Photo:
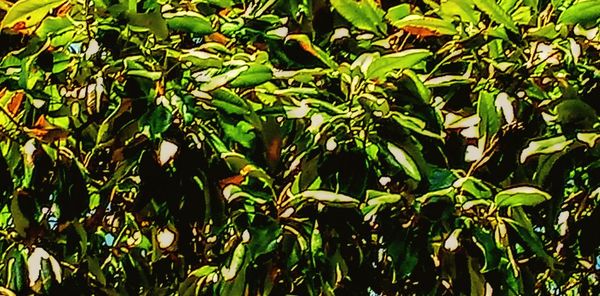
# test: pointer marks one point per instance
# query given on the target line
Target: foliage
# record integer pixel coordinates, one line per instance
(229, 147)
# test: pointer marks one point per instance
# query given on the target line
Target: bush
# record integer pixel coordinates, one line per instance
(229, 147)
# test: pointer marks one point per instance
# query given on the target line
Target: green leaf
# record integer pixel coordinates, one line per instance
(425, 26)
(496, 13)
(405, 160)
(589, 139)
(463, 9)
(582, 12)
(30, 12)
(398, 12)
(364, 14)
(490, 119)
(377, 198)
(241, 133)
(521, 196)
(474, 186)
(201, 59)
(152, 21)
(545, 146)
(53, 25)
(237, 261)
(160, 120)
(484, 239)
(253, 76)
(190, 22)
(203, 271)
(220, 3)
(222, 79)
(380, 67)
(329, 198)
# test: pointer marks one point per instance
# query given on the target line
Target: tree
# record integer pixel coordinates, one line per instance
(342, 147)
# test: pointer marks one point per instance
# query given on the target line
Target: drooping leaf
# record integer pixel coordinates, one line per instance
(423, 26)
(521, 196)
(255, 75)
(489, 124)
(496, 13)
(363, 14)
(405, 160)
(545, 146)
(188, 21)
(398, 12)
(28, 13)
(485, 241)
(329, 198)
(383, 65)
(583, 12)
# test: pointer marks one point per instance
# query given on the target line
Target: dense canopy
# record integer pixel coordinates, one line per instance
(305, 147)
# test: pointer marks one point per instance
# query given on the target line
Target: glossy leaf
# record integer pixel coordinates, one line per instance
(521, 196)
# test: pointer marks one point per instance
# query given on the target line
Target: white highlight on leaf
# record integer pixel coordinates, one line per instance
(331, 144)
(34, 265)
(281, 32)
(575, 50)
(316, 120)
(166, 151)
(384, 180)
(471, 132)
(92, 48)
(287, 213)
(246, 236)
(473, 153)
(504, 104)
(300, 111)
(165, 238)
(452, 243)
(339, 33)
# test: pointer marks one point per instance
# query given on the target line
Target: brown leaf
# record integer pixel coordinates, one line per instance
(14, 103)
(46, 132)
(235, 180)
(420, 31)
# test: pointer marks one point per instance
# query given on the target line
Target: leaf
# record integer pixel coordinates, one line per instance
(222, 79)
(405, 160)
(240, 132)
(398, 12)
(253, 76)
(190, 22)
(203, 271)
(160, 120)
(152, 21)
(329, 198)
(201, 59)
(28, 13)
(582, 12)
(364, 14)
(237, 260)
(461, 8)
(589, 139)
(423, 26)
(53, 25)
(484, 239)
(377, 198)
(496, 13)
(96, 271)
(545, 146)
(490, 119)
(380, 67)
(308, 46)
(521, 196)
(474, 186)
